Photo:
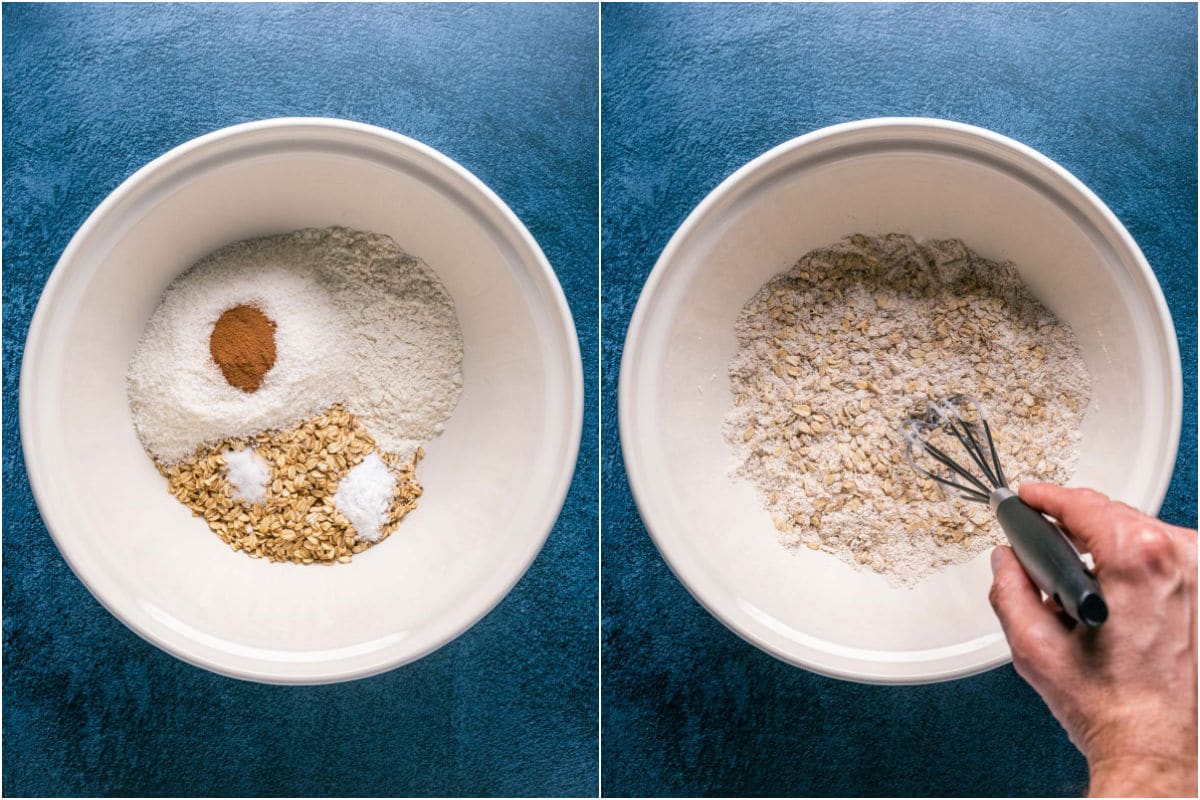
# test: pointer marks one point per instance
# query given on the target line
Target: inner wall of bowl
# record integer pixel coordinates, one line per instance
(812, 600)
(471, 526)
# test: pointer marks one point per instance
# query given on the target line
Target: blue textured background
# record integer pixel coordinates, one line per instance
(690, 93)
(91, 93)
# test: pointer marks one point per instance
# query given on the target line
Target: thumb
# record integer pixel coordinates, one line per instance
(1033, 630)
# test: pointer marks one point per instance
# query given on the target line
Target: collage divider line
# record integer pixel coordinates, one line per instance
(599, 401)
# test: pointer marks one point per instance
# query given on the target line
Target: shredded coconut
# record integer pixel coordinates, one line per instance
(860, 335)
(248, 473)
(363, 496)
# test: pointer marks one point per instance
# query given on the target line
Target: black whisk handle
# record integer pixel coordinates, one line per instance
(1050, 560)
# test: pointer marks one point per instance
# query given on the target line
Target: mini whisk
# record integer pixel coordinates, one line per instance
(1043, 549)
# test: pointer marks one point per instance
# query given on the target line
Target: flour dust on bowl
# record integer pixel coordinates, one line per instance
(428, 462)
(937, 199)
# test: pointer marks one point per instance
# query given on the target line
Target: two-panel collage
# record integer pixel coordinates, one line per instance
(599, 399)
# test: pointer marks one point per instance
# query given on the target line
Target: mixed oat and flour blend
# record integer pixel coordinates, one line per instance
(834, 353)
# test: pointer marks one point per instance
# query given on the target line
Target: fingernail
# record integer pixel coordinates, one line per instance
(996, 558)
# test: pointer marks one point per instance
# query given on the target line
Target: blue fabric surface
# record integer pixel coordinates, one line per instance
(91, 93)
(689, 94)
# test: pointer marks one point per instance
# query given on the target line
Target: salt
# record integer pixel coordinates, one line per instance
(363, 496)
(249, 474)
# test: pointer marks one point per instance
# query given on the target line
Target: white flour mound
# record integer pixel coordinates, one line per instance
(358, 321)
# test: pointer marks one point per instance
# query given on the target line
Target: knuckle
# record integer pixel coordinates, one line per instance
(1150, 540)
(1092, 496)
(1023, 664)
(1037, 640)
(1188, 564)
(994, 594)
(1151, 547)
(1126, 509)
(1025, 644)
(1020, 656)
(1001, 586)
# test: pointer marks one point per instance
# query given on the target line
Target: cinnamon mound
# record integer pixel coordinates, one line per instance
(243, 346)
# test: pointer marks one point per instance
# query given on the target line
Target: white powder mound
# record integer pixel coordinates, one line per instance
(248, 473)
(363, 496)
(358, 322)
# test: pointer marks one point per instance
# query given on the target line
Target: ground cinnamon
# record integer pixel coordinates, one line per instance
(243, 346)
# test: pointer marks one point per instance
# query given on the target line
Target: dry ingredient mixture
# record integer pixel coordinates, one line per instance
(835, 353)
(286, 386)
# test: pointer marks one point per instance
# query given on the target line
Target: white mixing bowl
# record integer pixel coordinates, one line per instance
(928, 178)
(494, 481)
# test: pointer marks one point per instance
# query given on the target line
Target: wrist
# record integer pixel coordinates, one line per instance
(1142, 775)
(1148, 731)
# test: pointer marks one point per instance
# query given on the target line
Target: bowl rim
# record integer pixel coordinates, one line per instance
(657, 521)
(472, 189)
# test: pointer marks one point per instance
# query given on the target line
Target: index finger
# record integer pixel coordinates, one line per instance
(1087, 514)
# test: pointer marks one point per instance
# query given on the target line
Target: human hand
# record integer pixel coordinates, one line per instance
(1125, 692)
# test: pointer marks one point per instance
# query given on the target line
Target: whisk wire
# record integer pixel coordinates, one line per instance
(974, 437)
(954, 466)
(962, 431)
(948, 416)
(977, 495)
(987, 429)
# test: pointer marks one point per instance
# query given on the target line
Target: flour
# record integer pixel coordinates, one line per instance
(835, 353)
(358, 322)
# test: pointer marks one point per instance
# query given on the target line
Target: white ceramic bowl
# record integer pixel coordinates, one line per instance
(494, 481)
(929, 178)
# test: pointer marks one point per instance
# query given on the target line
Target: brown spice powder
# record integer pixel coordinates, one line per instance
(243, 346)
